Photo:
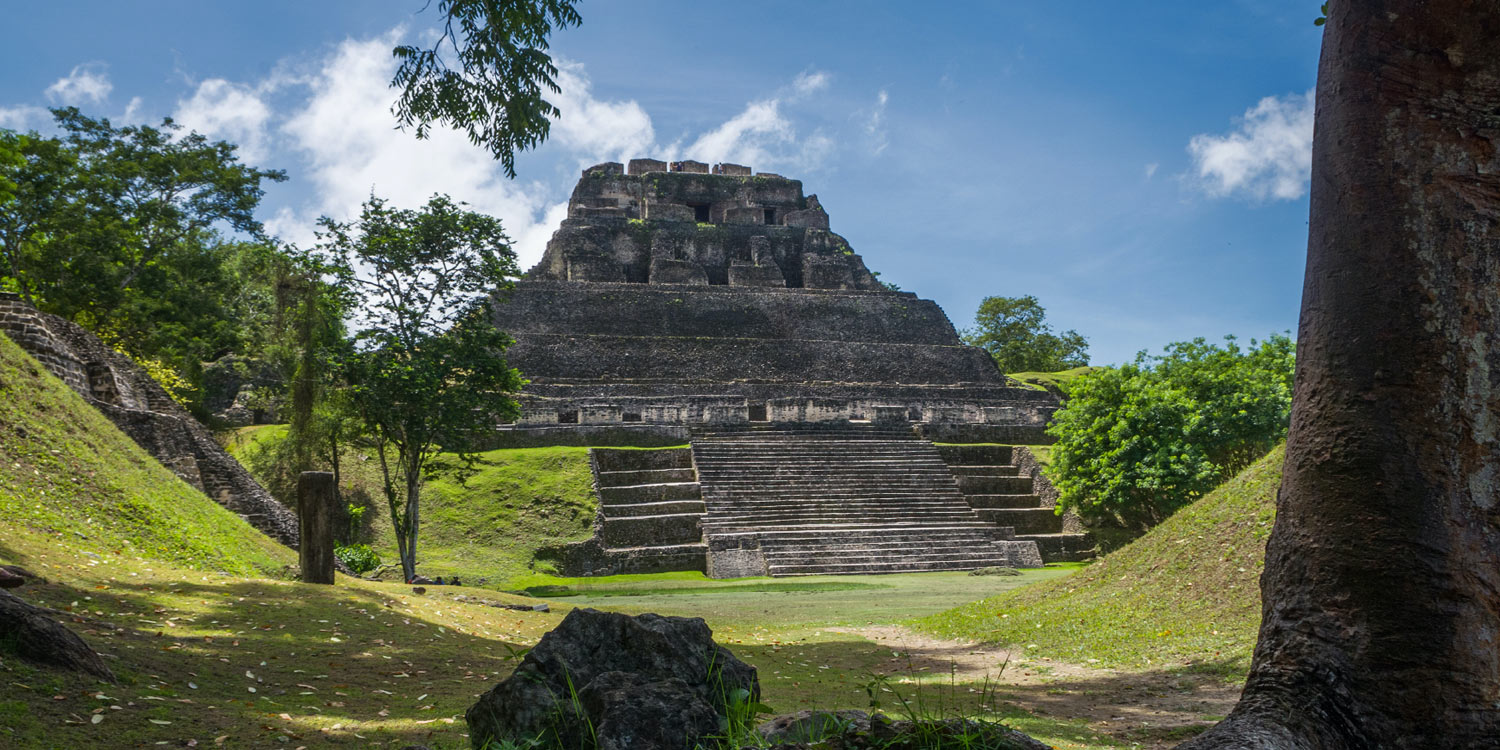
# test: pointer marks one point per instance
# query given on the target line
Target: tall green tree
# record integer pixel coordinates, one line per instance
(123, 230)
(427, 373)
(1015, 332)
(485, 74)
(1136, 443)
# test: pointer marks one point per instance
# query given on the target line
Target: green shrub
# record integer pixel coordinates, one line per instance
(1136, 443)
(358, 557)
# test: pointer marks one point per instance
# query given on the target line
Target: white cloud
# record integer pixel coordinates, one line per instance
(1151, 170)
(133, 111)
(227, 111)
(875, 124)
(810, 82)
(24, 117)
(86, 84)
(351, 148)
(746, 138)
(1268, 157)
(598, 130)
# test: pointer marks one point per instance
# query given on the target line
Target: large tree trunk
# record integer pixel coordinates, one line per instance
(1381, 591)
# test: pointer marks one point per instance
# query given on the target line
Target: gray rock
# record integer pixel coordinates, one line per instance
(628, 678)
(857, 730)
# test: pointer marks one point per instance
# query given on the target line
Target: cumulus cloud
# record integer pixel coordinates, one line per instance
(86, 84)
(598, 130)
(763, 136)
(1269, 156)
(345, 134)
(227, 111)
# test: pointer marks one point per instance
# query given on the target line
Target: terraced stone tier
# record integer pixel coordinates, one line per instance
(999, 493)
(809, 500)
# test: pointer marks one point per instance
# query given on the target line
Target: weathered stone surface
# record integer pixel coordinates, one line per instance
(695, 167)
(140, 408)
(642, 166)
(621, 669)
(666, 271)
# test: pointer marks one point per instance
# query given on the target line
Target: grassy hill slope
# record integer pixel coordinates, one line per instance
(67, 472)
(1188, 592)
(483, 521)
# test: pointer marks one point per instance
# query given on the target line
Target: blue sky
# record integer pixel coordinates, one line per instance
(1141, 170)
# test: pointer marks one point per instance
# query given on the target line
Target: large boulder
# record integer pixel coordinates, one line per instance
(616, 681)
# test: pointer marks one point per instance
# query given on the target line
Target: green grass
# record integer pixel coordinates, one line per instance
(1055, 382)
(482, 522)
(66, 473)
(1185, 594)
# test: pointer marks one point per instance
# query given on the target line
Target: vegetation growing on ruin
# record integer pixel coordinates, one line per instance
(1185, 593)
(66, 474)
(1058, 383)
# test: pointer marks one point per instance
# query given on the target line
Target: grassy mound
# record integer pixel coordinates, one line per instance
(484, 520)
(67, 472)
(1186, 593)
(1057, 383)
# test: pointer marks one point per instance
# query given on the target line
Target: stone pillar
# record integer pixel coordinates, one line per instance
(315, 513)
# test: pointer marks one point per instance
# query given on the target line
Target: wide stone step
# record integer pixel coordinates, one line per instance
(649, 493)
(959, 455)
(649, 531)
(876, 532)
(985, 471)
(1025, 520)
(668, 508)
(813, 557)
(994, 485)
(645, 476)
(625, 459)
(1004, 501)
(900, 566)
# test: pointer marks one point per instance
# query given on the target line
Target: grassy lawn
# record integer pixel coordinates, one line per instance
(1185, 593)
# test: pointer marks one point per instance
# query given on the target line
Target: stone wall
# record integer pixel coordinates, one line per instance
(140, 408)
(730, 359)
(560, 307)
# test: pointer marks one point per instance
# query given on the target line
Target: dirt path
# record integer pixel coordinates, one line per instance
(1156, 709)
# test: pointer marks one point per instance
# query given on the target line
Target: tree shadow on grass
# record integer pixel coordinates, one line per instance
(256, 659)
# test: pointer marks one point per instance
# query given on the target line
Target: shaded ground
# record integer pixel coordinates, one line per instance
(1156, 708)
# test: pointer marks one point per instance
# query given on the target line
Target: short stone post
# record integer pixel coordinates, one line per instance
(315, 513)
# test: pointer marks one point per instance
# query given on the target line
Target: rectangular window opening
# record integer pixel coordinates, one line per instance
(567, 417)
(770, 216)
(700, 212)
(630, 416)
(758, 413)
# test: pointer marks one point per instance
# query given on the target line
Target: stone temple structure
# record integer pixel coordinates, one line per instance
(682, 304)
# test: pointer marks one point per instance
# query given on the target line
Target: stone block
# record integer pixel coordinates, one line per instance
(642, 166)
(826, 272)
(599, 414)
(667, 271)
(651, 531)
(732, 170)
(744, 215)
(598, 212)
(745, 274)
(594, 268)
(735, 556)
(689, 166)
(888, 414)
(606, 168)
(810, 218)
(669, 212)
(1001, 415)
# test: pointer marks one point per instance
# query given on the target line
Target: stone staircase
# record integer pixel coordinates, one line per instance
(650, 514)
(1000, 492)
(854, 498)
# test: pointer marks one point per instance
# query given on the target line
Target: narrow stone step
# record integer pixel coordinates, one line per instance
(985, 471)
(667, 508)
(648, 531)
(624, 459)
(1025, 520)
(649, 493)
(1004, 501)
(994, 485)
(961, 455)
(645, 476)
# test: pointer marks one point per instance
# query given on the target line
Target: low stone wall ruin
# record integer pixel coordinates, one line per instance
(140, 408)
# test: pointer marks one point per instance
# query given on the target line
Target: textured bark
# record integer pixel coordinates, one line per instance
(1381, 593)
(31, 633)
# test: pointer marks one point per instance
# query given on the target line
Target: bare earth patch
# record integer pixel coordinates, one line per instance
(1151, 709)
